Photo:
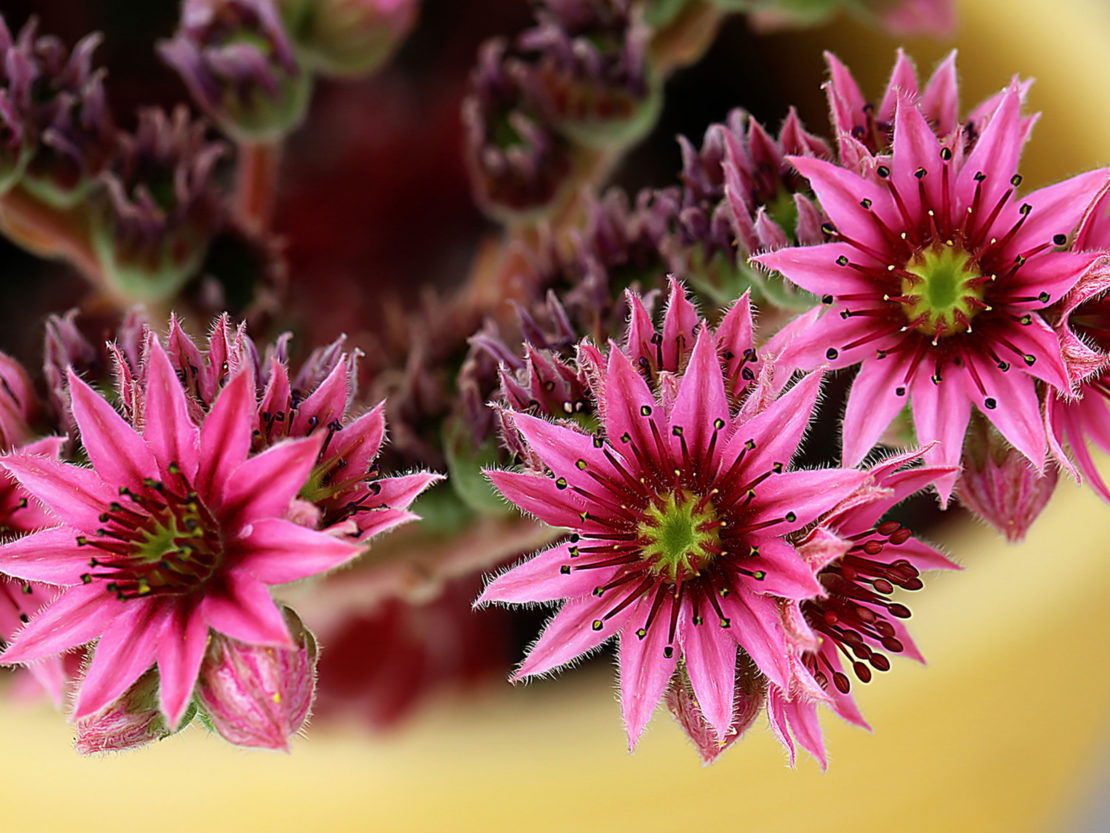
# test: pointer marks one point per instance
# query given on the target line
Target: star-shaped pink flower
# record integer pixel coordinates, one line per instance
(172, 532)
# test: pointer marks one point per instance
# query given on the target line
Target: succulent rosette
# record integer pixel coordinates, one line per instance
(935, 282)
(174, 531)
(678, 511)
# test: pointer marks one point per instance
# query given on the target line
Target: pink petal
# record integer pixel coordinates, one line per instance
(118, 454)
(541, 578)
(879, 393)
(51, 555)
(380, 521)
(787, 576)
(924, 557)
(539, 496)
(265, 485)
(802, 718)
(845, 99)
(78, 616)
(915, 147)
(841, 193)
(940, 100)
(995, 155)
(710, 656)
(275, 410)
(773, 436)
(359, 442)
(901, 86)
(75, 495)
(1057, 209)
(679, 323)
(1037, 341)
(816, 268)
(776, 718)
(941, 412)
(246, 611)
(754, 622)
(645, 667)
(168, 430)
(277, 551)
(400, 491)
(570, 454)
(324, 405)
(180, 652)
(125, 650)
(570, 633)
(225, 436)
(626, 406)
(1052, 272)
(640, 329)
(797, 498)
(701, 407)
(1017, 411)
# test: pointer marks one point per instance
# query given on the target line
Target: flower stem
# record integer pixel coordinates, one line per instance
(49, 232)
(256, 182)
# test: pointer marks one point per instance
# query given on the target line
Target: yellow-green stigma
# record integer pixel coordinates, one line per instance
(679, 535)
(942, 291)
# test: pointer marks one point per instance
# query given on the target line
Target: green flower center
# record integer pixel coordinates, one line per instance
(943, 290)
(154, 542)
(680, 534)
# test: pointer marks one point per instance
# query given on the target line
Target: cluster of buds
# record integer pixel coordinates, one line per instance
(250, 63)
(56, 130)
(581, 78)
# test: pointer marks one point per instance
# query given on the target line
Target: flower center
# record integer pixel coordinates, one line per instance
(943, 290)
(156, 540)
(679, 534)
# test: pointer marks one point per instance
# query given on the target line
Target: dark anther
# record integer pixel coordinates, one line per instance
(597, 624)
(826, 299)
(1059, 239)
(1025, 209)
(718, 424)
(899, 391)
(598, 442)
(565, 570)
(828, 228)
(865, 203)
(842, 260)
(831, 353)
(990, 403)
(920, 173)
(645, 410)
(1015, 180)
(979, 176)
(946, 154)
(883, 171)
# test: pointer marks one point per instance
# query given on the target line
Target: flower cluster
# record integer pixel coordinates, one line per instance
(164, 550)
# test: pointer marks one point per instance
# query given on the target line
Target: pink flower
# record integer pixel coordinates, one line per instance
(678, 511)
(860, 560)
(935, 283)
(1080, 415)
(170, 534)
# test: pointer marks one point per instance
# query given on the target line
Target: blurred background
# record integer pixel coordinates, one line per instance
(1006, 730)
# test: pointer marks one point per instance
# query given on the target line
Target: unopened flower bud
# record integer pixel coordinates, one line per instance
(999, 484)
(518, 163)
(152, 226)
(348, 37)
(751, 692)
(56, 132)
(596, 77)
(239, 65)
(132, 719)
(258, 695)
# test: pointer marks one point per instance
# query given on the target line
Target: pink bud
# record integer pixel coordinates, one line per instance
(256, 695)
(132, 719)
(1000, 485)
(751, 691)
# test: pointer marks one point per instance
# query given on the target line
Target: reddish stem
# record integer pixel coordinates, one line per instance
(256, 182)
(49, 232)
